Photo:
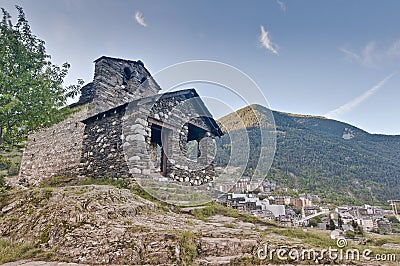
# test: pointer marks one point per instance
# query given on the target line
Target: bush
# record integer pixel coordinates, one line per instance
(350, 234)
(13, 170)
(2, 182)
(393, 219)
(4, 163)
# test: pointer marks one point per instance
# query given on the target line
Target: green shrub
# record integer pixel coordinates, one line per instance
(4, 163)
(393, 219)
(2, 182)
(350, 234)
(14, 169)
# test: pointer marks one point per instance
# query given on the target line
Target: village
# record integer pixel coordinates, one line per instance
(308, 210)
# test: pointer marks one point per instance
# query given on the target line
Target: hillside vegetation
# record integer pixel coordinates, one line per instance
(338, 161)
(112, 221)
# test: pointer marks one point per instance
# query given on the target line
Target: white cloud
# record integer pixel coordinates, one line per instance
(394, 50)
(281, 5)
(139, 19)
(266, 42)
(349, 106)
(371, 55)
(351, 55)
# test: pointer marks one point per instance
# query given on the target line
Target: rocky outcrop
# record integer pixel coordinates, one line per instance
(106, 225)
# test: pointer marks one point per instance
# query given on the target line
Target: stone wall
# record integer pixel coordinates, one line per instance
(54, 151)
(119, 81)
(118, 142)
(180, 110)
(57, 150)
(108, 137)
(194, 172)
(102, 153)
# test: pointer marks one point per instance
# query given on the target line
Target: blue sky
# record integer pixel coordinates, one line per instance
(334, 58)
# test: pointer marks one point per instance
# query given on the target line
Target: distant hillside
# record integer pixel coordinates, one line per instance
(333, 159)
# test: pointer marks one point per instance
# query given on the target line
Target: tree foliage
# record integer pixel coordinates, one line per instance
(313, 157)
(31, 91)
(331, 225)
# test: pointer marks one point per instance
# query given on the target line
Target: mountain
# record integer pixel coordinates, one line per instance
(338, 161)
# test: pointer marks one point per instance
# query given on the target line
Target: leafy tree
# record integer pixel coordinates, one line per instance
(357, 228)
(31, 91)
(313, 222)
(331, 225)
(340, 222)
(393, 219)
(354, 224)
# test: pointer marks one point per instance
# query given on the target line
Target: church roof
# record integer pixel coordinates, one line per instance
(187, 93)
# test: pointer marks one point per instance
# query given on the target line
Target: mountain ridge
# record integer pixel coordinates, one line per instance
(315, 154)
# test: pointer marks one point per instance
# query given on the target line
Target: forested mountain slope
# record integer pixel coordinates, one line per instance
(333, 159)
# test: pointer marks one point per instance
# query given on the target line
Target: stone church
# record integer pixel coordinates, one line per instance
(122, 127)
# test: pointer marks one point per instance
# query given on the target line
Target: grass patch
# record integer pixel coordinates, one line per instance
(380, 240)
(2, 182)
(118, 183)
(13, 251)
(134, 187)
(58, 181)
(10, 162)
(214, 208)
(230, 225)
(188, 248)
(312, 238)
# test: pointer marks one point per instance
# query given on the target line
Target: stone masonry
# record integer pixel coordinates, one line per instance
(122, 127)
(122, 141)
(54, 151)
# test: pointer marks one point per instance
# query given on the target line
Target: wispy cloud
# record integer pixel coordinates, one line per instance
(371, 55)
(281, 5)
(349, 106)
(139, 19)
(394, 49)
(351, 55)
(266, 42)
